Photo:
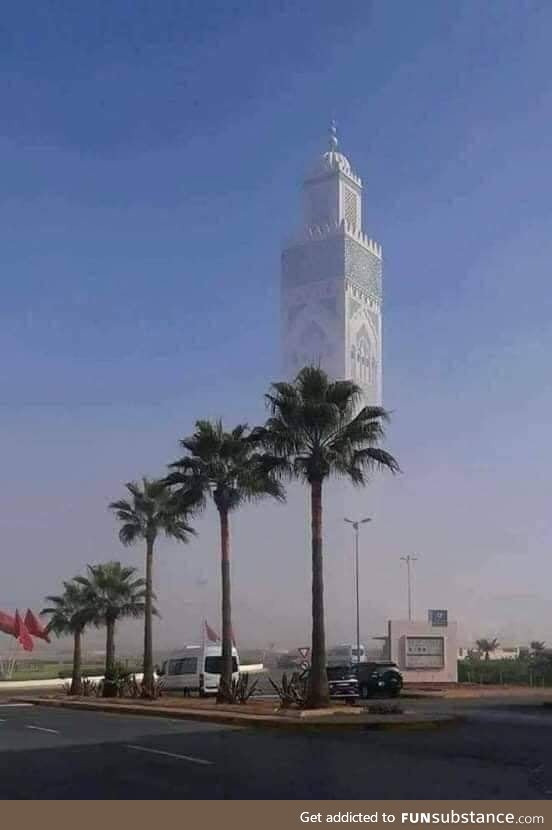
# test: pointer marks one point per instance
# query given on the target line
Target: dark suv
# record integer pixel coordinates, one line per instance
(343, 683)
(383, 678)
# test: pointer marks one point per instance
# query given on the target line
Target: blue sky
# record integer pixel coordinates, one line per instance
(152, 155)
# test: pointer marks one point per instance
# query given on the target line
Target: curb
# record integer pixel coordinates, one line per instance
(250, 720)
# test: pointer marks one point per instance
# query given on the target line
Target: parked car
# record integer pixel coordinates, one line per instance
(343, 683)
(375, 678)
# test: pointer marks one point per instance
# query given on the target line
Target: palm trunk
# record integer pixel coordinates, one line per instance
(76, 678)
(318, 691)
(224, 693)
(110, 688)
(147, 681)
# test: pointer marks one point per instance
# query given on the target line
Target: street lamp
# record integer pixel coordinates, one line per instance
(408, 559)
(356, 527)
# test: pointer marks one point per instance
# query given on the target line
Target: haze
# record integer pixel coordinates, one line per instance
(151, 168)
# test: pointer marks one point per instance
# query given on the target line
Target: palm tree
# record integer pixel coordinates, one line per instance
(70, 613)
(538, 647)
(228, 467)
(114, 592)
(315, 424)
(487, 647)
(151, 511)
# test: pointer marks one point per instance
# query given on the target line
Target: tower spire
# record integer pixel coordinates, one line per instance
(333, 136)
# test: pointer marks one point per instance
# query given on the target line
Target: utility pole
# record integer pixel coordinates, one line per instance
(356, 526)
(408, 559)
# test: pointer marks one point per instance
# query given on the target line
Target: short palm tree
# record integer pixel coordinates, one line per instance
(316, 426)
(152, 510)
(487, 647)
(69, 614)
(115, 593)
(227, 467)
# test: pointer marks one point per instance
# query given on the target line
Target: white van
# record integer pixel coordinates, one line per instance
(196, 669)
(346, 654)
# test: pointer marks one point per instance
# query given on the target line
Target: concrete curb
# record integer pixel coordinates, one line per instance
(376, 722)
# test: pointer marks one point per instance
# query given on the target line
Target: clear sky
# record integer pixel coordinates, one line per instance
(152, 154)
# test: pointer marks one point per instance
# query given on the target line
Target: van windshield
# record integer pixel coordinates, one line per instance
(213, 665)
(340, 651)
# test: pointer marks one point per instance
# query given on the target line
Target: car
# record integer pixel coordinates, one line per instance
(343, 683)
(382, 678)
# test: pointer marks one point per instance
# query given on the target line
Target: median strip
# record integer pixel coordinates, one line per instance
(190, 758)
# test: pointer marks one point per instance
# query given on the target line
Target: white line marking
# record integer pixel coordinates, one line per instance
(171, 755)
(43, 729)
(14, 705)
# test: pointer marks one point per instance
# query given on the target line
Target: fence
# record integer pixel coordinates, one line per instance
(505, 672)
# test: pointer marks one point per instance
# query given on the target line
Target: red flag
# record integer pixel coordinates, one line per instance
(7, 623)
(212, 636)
(35, 627)
(22, 633)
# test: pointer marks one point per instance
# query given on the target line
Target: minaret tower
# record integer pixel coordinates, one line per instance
(331, 295)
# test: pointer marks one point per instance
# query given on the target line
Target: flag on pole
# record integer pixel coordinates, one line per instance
(35, 627)
(22, 633)
(7, 623)
(212, 636)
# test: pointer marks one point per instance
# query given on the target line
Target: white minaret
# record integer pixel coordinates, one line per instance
(331, 282)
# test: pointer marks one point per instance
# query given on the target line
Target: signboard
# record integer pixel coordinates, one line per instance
(425, 652)
(438, 617)
(304, 652)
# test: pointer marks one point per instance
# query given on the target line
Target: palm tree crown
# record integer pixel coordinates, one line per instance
(486, 646)
(70, 611)
(315, 423)
(113, 591)
(151, 510)
(226, 465)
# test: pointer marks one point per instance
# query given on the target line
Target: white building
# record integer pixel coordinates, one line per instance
(331, 296)
(425, 652)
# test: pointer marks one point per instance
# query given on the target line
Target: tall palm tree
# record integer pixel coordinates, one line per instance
(70, 613)
(152, 510)
(487, 647)
(114, 592)
(315, 423)
(228, 467)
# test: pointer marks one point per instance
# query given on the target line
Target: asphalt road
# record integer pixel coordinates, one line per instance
(53, 753)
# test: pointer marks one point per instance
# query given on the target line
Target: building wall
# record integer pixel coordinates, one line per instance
(430, 667)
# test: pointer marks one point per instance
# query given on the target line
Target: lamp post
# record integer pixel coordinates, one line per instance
(356, 527)
(408, 559)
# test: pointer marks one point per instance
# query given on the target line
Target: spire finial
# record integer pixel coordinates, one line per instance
(333, 136)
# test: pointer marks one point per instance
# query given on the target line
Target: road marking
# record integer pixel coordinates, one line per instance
(171, 755)
(14, 705)
(43, 729)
